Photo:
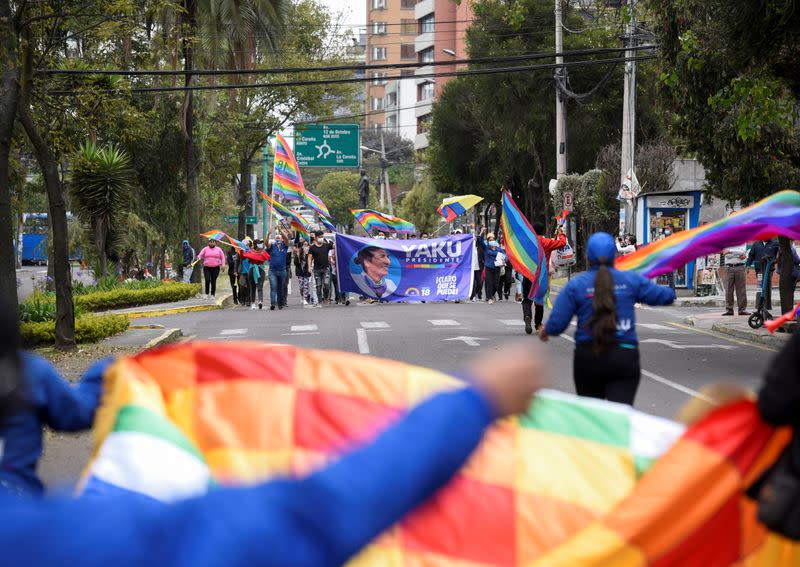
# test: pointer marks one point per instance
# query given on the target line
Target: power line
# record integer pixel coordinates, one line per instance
(470, 72)
(349, 67)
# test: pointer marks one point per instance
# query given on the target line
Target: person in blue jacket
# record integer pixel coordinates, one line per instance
(606, 362)
(278, 251)
(323, 519)
(491, 248)
(43, 398)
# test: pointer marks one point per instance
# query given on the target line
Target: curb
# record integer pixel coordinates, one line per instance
(168, 336)
(752, 337)
(222, 303)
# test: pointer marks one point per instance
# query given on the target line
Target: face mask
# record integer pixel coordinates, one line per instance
(493, 243)
(260, 246)
(319, 240)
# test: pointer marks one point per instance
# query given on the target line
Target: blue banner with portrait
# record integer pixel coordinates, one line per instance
(434, 269)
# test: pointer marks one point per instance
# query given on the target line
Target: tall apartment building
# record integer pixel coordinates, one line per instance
(391, 31)
(441, 29)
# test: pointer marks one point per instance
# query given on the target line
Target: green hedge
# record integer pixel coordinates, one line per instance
(89, 329)
(119, 298)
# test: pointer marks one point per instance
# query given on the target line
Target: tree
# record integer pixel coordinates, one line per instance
(654, 164)
(339, 190)
(102, 180)
(494, 130)
(729, 75)
(419, 207)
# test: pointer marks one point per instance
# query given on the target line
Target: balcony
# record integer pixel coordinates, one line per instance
(424, 8)
(426, 70)
(421, 141)
(423, 108)
(423, 41)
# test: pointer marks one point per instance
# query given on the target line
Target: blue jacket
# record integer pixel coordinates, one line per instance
(51, 401)
(576, 299)
(277, 257)
(490, 254)
(320, 520)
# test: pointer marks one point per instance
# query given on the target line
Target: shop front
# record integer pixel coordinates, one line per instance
(665, 214)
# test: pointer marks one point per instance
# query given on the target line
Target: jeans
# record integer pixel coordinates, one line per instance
(277, 287)
(323, 287)
(187, 273)
(305, 289)
(210, 276)
(256, 287)
(613, 375)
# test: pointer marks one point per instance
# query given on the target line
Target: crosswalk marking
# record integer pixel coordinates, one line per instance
(374, 324)
(303, 328)
(512, 322)
(654, 327)
(228, 332)
(444, 323)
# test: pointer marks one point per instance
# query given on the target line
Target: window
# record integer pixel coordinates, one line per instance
(391, 99)
(378, 78)
(426, 55)
(378, 28)
(406, 72)
(407, 51)
(407, 4)
(376, 104)
(408, 27)
(391, 122)
(379, 54)
(378, 4)
(425, 91)
(426, 24)
(423, 123)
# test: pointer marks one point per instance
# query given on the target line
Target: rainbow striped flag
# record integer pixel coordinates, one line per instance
(300, 229)
(571, 482)
(286, 179)
(375, 220)
(453, 207)
(238, 244)
(524, 250)
(285, 212)
(777, 215)
(213, 235)
(327, 224)
(315, 203)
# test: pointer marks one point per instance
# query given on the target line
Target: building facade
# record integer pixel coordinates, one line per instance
(391, 31)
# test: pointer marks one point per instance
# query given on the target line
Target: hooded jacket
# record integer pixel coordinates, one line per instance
(188, 253)
(629, 288)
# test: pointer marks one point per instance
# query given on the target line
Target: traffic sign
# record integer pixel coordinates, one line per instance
(568, 200)
(327, 145)
(248, 220)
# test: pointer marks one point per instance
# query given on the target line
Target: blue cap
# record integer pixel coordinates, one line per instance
(601, 249)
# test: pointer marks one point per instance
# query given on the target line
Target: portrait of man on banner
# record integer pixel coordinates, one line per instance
(372, 272)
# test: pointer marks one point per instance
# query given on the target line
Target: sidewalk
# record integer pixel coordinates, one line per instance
(736, 326)
(197, 303)
(719, 300)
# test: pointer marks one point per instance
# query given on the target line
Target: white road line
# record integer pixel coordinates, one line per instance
(677, 346)
(676, 386)
(300, 328)
(226, 332)
(512, 322)
(567, 337)
(300, 333)
(443, 323)
(655, 327)
(363, 345)
(374, 325)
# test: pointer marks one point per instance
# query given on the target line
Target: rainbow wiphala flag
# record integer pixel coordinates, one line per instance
(573, 482)
(286, 179)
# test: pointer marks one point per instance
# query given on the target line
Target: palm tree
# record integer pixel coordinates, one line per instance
(102, 181)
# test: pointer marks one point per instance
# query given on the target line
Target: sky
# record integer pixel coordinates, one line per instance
(354, 11)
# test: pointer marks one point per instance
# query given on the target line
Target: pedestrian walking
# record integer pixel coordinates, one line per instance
(549, 245)
(188, 261)
(278, 252)
(234, 264)
(319, 263)
(759, 258)
(493, 259)
(303, 272)
(255, 273)
(341, 298)
(288, 281)
(477, 271)
(735, 274)
(606, 360)
(213, 259)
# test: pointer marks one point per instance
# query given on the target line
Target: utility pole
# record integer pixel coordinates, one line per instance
(629, 118)
(561, 110)
(385, 177)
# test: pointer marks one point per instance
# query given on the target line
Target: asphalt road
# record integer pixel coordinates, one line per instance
(677, 360)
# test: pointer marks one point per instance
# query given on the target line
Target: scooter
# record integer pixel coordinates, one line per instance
(757, 318)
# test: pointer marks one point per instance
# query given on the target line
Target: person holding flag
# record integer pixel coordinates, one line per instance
(549, 245)
(606, 362)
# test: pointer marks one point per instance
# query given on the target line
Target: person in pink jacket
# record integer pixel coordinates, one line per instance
(213, 259)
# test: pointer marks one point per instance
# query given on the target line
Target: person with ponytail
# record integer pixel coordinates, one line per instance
(606, 362)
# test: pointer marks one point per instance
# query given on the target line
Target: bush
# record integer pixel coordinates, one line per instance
(88, 329)
(40, 307)
(121, 297)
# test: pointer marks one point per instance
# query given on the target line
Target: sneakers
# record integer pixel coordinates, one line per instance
(260, 305)
(728, 314)
(490, 301)
(528, 328)
(272, 308)
(213, 298)
(253, 307)
(305, 302)
(745, 313)
(281, 306)
(347, 302)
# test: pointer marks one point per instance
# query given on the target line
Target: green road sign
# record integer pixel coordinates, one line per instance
(326, 145)
(248, 220)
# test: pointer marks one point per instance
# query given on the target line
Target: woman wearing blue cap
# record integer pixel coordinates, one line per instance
(606, 362)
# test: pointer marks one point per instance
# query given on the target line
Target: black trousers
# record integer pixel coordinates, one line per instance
(477, 285)
(210, 275)
(613, 375)
(526, 304)
(492, 276)
(508, 282)
(233, 278)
